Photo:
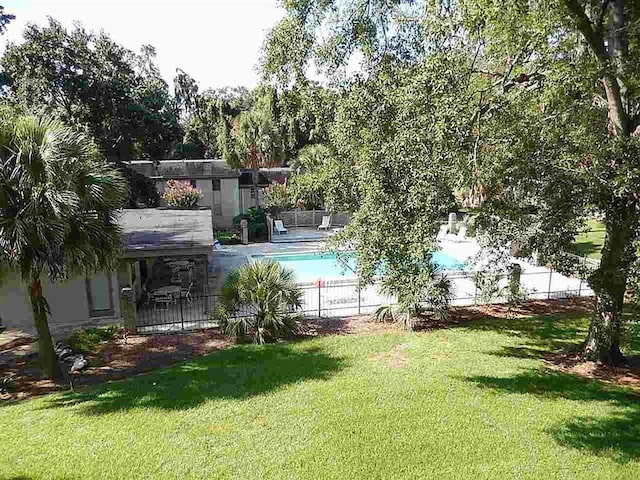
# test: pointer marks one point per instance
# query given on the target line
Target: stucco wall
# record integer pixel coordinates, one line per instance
(230, 200)
(68, 302)
(207, 192)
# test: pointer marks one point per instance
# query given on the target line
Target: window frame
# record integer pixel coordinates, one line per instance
(100, 313)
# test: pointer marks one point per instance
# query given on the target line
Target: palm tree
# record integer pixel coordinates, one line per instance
(431, 292)
(260, 298)
(58, 204)
(255, 140)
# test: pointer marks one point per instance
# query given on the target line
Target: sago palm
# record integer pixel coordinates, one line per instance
(260, 299)
(58, 211)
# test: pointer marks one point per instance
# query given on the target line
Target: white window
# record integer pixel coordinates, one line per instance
(100, 295)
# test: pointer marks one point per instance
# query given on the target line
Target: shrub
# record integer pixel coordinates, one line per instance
(181, 194)
(488, 286)
(256, 222)
(277, 197)
(259, 300)
(228, 238)
(429, 291)
(89, 339)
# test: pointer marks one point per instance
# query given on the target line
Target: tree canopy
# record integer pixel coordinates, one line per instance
(58, 210)
(91, 83)
(526, 111)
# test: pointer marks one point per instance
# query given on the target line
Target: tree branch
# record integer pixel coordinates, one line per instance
(619, 124)
(603, 11)
(586, 27)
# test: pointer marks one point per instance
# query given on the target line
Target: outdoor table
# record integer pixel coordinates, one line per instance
(173, 290)
(182, 264)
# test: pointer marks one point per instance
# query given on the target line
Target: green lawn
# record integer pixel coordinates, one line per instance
(590, 243)
(474, 402)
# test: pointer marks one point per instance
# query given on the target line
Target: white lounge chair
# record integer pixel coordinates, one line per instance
(279, 227)
(326, 223)
(442, 233)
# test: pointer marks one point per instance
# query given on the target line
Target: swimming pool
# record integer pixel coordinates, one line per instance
(312, 266)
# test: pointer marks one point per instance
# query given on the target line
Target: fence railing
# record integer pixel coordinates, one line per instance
(311, 218)
(335, 298)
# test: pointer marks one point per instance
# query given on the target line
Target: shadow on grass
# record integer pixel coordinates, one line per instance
(238, 372)
(616, 435)
(539, 335)
(587, 248)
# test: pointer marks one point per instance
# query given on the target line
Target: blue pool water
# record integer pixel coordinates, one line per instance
(309, 267)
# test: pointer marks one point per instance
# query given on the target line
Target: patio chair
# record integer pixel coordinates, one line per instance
(147, 297)
(279, 227)
(165, 300)
(442, 233)
(326, 223)
(462, 233)
(186, 292)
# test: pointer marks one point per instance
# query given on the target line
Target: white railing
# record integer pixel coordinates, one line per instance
(311, 218)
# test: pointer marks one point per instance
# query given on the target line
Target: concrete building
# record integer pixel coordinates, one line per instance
(218, 182)
(226, 191)
(164, 249)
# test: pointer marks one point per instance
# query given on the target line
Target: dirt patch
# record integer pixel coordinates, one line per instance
(536, 307)
(12, 339)
(395, 358)
(347, 326)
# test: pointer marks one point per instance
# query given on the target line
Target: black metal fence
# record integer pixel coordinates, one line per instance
(183, 312)
(346, 297)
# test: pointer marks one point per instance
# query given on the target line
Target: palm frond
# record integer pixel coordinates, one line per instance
(263, 296)
(57, 199)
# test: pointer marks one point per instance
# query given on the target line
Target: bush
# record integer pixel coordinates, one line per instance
(428, 291)
(277, 197)
(89, 339)
(181, 194)
(259, 300)
(256, 220)
(228, 238)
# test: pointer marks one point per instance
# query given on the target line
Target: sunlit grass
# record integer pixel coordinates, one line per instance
(473, 402)
(590, 243)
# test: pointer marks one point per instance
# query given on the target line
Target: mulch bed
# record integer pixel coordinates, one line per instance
(118, 359)
(621, 376)
(137, 354)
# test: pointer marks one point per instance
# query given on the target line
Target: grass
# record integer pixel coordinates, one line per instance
(590, 242)
(474, 402)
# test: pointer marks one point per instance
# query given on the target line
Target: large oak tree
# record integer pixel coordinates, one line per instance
(528, 109)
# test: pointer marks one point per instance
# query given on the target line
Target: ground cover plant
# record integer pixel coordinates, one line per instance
(483, 399)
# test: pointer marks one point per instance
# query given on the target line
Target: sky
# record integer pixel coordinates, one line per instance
(217, 42)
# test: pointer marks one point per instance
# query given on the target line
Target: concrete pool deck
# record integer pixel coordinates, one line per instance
(341, 296)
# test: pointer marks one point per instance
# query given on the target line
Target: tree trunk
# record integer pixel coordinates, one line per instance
(609, 283)
(610, 280)
(255, 178)
(40, 309)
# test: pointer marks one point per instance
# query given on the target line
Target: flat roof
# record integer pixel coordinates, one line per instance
(166, 229)
(198, 168)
